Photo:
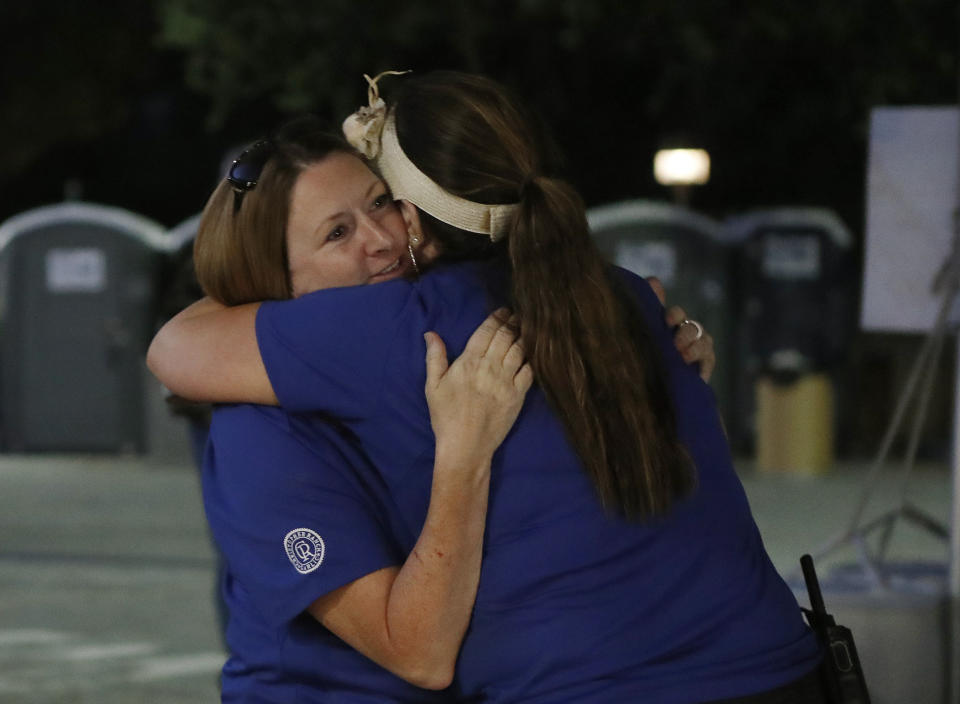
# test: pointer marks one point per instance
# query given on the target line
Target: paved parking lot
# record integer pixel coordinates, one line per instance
(106, 579)
(106, 572)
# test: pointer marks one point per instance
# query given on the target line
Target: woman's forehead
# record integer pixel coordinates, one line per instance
(340, 180)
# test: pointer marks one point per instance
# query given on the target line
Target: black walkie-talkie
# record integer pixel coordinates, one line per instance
(842, 673)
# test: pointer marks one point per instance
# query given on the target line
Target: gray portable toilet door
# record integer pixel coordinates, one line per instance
(73, 375)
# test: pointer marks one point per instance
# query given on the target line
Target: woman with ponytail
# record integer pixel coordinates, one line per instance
(620, 561)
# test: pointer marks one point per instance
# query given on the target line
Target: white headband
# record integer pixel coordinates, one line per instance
(372, 131)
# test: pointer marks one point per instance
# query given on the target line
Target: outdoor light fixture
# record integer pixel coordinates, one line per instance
(681, 167)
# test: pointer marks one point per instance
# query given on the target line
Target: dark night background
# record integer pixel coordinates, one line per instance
(140, 100)
(137, 103)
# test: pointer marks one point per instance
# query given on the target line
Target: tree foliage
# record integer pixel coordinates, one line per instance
(779, 92)
(68, 71)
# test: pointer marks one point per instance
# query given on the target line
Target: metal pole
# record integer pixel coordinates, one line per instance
(953, 597)
(955, 514)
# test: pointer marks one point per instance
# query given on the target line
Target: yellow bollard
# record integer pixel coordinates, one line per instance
(795, 425)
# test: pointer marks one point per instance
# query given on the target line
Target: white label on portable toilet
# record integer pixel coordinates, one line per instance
(791, 256)
(648, 259)
(77, 270)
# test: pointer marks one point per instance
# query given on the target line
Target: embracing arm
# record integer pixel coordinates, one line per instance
(412, 619)
(209, 352)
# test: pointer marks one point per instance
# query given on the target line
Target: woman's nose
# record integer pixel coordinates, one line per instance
(376, 238)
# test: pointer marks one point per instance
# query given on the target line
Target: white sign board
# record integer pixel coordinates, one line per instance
(912, 192)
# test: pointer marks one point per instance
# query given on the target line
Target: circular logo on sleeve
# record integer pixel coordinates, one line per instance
(305, 549)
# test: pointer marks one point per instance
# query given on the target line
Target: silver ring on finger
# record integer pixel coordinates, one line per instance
(694, 323)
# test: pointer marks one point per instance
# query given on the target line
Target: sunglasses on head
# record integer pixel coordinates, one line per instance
(245, 170)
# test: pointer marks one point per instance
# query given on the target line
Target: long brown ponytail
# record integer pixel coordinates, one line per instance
(588, 345)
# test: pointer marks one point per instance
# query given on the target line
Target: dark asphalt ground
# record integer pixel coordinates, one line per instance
(106, 572)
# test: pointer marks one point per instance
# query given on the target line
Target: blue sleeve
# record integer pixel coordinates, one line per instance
(329, 350)
(649, 305)
(655, 316)
(690, 392)
(288, 508)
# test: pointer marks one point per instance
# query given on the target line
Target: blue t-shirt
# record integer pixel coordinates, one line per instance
(297, 511)
(573, 604)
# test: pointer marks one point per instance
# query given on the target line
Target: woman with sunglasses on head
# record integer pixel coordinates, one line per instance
(620, 559)
(295, 506)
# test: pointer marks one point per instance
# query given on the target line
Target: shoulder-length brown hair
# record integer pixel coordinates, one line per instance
(589, 346)
(240, 253)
